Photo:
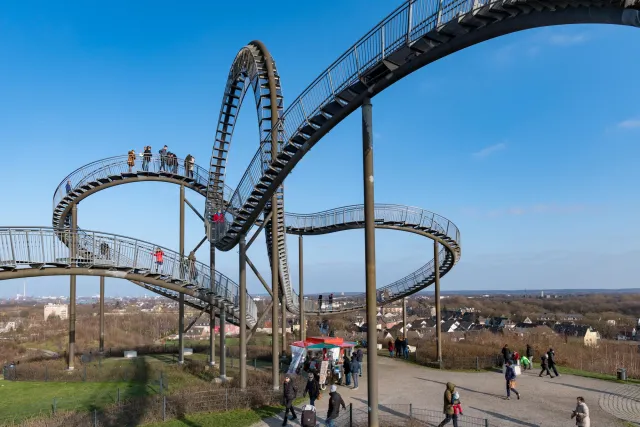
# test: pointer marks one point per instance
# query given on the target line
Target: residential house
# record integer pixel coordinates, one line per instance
(590, 336)
(626, 334)
(449, 326)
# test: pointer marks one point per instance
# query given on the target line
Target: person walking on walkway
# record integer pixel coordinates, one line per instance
(581, 414)
(319, 302)
(544, 364)
(552, 361)
(390, 346)
(331, 302)
(289, 392)
(163, 158)
(146, 158)
(529, 353)
(398, 346)
(335, 402)
(506, 353)
(312, 389)
(510, 376)
(448, 410)
(359, 359)
(356, 369)
(405, 348)
(131, 160)
(68, 186)
(158, 254)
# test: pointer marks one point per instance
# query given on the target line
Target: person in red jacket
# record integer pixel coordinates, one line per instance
(158, 254)
(390, 348)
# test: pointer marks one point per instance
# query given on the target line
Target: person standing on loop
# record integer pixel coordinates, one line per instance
(131, 160)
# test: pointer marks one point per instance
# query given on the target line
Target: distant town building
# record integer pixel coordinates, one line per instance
(60, 310)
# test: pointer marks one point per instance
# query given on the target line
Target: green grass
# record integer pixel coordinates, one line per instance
(594, 375)
(238, 418)
(28, 398)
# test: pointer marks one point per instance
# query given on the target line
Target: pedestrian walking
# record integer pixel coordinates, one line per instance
(506, 353)
(319, 302)
(525, 362)
(450, 414)
(289, 392)
(312, 389)
(355, 368)
(510, 376)
(390, 346)
(331, 301)
(552, 362)
(398, 346)
(335, 402)
(581, 413)
(544, 364)
(529, 353)
(158, 255)
(68, 186)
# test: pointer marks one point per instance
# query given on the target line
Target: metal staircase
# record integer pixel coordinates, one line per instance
(106, 173)
(111, 255)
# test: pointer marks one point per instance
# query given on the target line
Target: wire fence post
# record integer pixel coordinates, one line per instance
(95, 418)
(46, 373)
(118, 395)
(164, 408)
(477, 363)
(84, 375)
(53, 407)
(410, 410)
(486, 422)
(350, 414)
(255, 364)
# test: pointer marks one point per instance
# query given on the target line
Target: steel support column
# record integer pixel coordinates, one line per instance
(370, 261)
(404, 317)
(303, 332)
(243, 312)
(212, 313)
(101, 314)
(72, 288)
(284, 325)
(183, 271)
(223, 342)
(275, 264)
(436, 263)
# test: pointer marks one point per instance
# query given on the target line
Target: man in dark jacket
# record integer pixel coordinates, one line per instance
(346, 366)
(552, 361)
(448, 411)
(506, 353)
(510, 376)
(355, 368)
(544, 364)
(289, 394)
(335, 401)
(359, 358)
(312, 388)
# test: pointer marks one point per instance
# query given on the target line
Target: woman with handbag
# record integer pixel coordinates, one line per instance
(581, 414)
(510, 376)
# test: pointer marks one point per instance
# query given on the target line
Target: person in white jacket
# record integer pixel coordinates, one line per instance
(581, 414)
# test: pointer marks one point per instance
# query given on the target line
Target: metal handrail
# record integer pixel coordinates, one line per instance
(400, 28)
(117, 165)
(22, 247)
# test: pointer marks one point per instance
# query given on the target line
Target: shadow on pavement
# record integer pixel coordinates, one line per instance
(505, 417)
(463, 388)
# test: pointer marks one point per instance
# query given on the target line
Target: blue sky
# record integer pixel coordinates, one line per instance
(529, 142)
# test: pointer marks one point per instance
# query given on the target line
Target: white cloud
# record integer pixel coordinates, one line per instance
(490, 150)
(629, 124)
(560, 39)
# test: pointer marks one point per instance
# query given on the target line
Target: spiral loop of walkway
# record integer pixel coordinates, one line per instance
(113, 171)
(37, 251)
(416, 34)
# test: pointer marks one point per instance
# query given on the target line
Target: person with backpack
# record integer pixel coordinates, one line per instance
(335, 401)
(312, 389)
(289, 392)
(510, 376)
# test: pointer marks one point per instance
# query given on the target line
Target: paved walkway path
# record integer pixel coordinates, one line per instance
(545, 402)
